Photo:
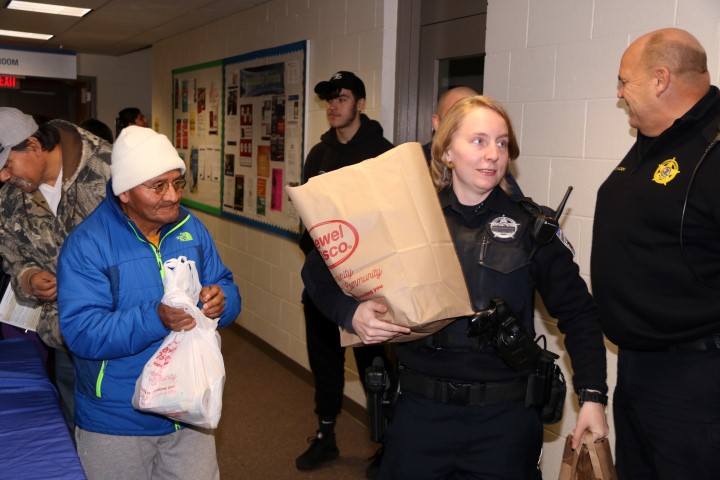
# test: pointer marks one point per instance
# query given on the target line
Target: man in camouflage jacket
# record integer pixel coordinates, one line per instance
(54, 176)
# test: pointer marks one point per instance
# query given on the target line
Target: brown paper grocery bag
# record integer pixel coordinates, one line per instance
(591, 461)
(380, 229)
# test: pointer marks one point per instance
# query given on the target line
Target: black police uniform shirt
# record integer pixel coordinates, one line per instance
(648, 296)
(493, 244)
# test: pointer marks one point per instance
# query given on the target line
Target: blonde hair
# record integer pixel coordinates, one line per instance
(451, 123)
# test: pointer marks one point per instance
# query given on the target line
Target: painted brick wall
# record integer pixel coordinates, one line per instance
(554, 63)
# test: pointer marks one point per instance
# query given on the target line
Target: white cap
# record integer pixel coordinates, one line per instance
(140, 154)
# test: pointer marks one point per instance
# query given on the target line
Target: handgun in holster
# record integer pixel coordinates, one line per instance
(379, 398)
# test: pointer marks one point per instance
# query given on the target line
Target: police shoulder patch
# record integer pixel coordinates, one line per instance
(565, 241)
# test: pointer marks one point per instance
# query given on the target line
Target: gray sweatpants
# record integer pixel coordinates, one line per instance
(187, 454)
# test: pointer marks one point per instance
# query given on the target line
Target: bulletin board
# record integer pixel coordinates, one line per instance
(263, 123)
(197, 131)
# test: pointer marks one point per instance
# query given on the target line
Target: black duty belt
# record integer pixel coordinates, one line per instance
(462, 393)
(453, 341)
(711, 342)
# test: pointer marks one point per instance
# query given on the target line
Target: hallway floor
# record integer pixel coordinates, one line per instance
(268, 415)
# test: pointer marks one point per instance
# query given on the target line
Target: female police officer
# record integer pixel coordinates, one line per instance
(461, 412)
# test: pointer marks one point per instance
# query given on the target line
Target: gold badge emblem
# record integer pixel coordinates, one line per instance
(666, 171)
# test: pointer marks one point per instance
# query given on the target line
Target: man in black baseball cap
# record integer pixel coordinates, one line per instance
(331, 89)
(352, 138)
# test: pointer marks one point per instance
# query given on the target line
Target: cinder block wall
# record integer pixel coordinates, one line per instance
(554, 64)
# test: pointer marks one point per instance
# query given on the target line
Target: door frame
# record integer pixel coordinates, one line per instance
(416, 97)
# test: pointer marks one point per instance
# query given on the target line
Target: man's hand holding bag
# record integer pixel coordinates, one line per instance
(184, 380)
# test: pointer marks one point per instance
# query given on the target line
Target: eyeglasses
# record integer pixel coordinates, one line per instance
(162, 187)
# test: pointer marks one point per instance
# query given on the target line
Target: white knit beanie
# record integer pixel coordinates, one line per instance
(140, 154)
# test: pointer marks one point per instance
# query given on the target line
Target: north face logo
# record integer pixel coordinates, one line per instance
(185, 237)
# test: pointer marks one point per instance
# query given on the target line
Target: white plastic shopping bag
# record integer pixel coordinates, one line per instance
(184, 380)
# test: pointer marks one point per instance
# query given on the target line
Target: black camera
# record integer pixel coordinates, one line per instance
(546, 384)
(513, 343)
(507, 333)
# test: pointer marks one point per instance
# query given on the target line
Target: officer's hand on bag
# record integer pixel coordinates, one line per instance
(591, 418)
(213, 300)
(372, 329)
(176, 319)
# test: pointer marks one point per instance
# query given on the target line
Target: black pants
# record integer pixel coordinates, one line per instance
(64, 379)
(667, 415)
(327, 359)
(437, 441)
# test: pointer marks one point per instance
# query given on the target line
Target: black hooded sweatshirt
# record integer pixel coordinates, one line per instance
(330, 154)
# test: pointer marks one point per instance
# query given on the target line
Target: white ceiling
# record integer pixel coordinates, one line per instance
(116, 27)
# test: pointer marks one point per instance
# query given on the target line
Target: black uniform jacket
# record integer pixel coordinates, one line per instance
(644, 282)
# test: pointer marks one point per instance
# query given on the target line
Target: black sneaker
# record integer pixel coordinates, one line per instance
(322, 449)
(372, 470)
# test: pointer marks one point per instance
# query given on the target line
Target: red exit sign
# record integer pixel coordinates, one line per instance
(6, 81)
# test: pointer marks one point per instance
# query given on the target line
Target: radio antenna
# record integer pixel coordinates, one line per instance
(562, 203)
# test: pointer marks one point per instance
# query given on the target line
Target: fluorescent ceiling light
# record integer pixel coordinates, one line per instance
(47, 8)
(37, 36)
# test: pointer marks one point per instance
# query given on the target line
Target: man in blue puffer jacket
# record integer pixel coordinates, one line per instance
(110, 287)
